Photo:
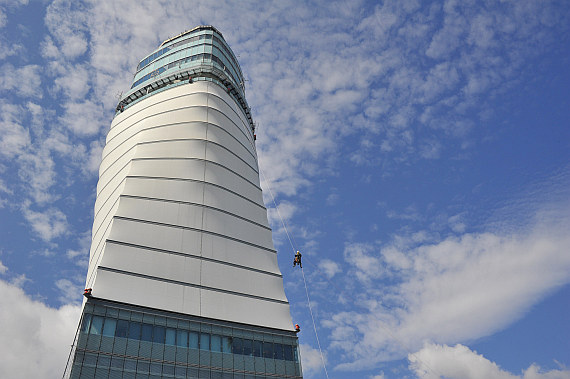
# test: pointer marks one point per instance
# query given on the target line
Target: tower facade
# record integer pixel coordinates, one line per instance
(183, 272)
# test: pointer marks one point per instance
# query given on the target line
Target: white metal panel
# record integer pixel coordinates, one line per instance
(218, 154)
(177, 190)
(232, 181)
(223, 138)
(173, 149)
(222, 199)
(246, 310)
(235, 113)
(153, 235)
(147, 292)
(179, 214)
(231, 226)
(181, 130)
(152, 263)
(239, 131)
(173, 168)
(231, 251)
(244, 281)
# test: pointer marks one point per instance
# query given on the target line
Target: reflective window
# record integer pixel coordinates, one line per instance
(146, 332)
(277, 351)
(135, 330)
(247, 348)
(117, 362)
(158, 336)
(226, 345)
(104, 361)
(216, 343)
(182, 338)
(237, 346)
(170, 336)
(86, 323)
(257, 348)
(90, 359)
(192, 340)
(130, 365)
(156, 368)
(109, 328)
(267, 350)
(177, 337)
(288, 352)
(143, 366)
(204, 341)
(96, 325)
(122, 328)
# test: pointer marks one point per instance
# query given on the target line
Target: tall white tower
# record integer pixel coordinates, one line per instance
(183, 272)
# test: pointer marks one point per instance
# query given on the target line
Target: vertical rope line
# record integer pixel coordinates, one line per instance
(314, 325)
(73, 344)
(304, 281)
(279, 213)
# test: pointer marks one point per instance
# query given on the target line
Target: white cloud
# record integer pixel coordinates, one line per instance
(310, 360)
(330, 268)
(456, 289)
(3, 269)
(32, 329)
(25, 81)
(67, 23)
(48, 224)
(14, 138)
(435, 361)
(69, 291)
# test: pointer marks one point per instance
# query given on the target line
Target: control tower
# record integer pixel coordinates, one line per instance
(183, 274)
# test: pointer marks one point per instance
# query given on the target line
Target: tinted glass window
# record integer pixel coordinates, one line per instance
(122, 328)
(96, 325)
(170, 336)
(146, 332)
(226, 345)
(237, 346)
(288, 352)
(193, 340)
(278, 351)
(216, 343)
(159, 333)
(257, 348)
(109, 328)
(182, 338)
(267, 350)
(247, 347)
(204, 341)
(135, 330)
(86, 323)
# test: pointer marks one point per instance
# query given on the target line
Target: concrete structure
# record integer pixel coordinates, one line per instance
(183, 271)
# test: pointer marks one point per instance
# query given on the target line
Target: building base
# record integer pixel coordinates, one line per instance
(118, 340)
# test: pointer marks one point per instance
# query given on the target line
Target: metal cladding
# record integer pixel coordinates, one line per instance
(180, 223)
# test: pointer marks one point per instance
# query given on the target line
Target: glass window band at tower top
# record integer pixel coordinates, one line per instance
(197, 54)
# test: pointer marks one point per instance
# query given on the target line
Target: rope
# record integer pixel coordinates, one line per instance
(72, 345)
(304, 280)
(314, 325)
(279, 213)
(402, 344)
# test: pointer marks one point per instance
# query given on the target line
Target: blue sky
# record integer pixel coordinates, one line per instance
(418, 151)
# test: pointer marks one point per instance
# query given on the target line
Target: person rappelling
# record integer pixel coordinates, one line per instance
(297, 328)
(87, 292)
(297, 260)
